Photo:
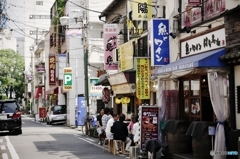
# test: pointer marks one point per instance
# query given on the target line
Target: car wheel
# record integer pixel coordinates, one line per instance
(19, 131)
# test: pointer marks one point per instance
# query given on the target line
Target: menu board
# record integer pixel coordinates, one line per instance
(148, 124)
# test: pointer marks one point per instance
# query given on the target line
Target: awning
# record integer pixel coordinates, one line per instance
(53, 90)
(209, 59)
(38, 91)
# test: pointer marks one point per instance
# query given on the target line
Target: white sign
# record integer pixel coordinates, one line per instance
(96, 90)
(122, 89)
(206, 42)
(118, 78)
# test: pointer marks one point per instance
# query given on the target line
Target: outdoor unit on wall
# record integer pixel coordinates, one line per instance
(115, 56)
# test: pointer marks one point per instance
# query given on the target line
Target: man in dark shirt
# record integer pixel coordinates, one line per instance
(120, 132)
(99, 130)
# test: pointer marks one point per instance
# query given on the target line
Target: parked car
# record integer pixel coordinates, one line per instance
(10, 116)
(56, 114)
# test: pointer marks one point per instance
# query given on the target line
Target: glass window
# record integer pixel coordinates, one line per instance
(59, 109)
(9, 107)
(195, 87)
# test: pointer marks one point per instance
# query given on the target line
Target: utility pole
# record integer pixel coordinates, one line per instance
(86, 59)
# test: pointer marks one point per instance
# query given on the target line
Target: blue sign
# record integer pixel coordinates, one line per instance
(81, 111)
(160, 42)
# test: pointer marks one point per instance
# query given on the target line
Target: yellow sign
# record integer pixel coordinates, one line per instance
(142, 10)
(126, 56)
(143, 78)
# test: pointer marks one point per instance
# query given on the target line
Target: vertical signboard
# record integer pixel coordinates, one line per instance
(110, 33)
(149, 124)
(126, 56)
(52, 69)
(142, 9)
(160, 42)
(81, 111)
(143, 78)
(42, 112)
(62, 63)
(67, 78)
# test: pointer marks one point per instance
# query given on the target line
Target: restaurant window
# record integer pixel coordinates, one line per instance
(192, 11)
(196, 100)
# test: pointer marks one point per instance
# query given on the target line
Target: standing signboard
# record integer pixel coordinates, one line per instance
(67, 78)
(81, 112)
(149, 124)
(42, 113)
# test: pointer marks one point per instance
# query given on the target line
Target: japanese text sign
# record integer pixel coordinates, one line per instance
(52, 69)
(143, 78)
(142, 10)
(110, 33)
(210, 41)
(160, 42)
(67, 78)
(126, 56)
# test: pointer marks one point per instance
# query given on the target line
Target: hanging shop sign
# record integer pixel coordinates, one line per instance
(143, 78)
(204, 43)
(160, 42)
(52, 69)
(110, 42)
(118, 78)
(142, 9)
(95, 91)
(126, 56)
(67, 79)
(125, 88)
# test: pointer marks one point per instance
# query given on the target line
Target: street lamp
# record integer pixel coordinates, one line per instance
(80, 17)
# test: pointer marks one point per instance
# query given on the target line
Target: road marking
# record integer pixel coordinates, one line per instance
(4, 156)
(11, 148)
(1, 140)
(90, 139)
(3, 147)
(89, 142)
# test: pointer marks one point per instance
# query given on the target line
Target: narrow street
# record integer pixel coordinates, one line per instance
(41, 141)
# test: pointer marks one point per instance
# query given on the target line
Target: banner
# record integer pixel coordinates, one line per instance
(126, 56)
(142, 9)
(143, 78)
(160, 42)
(110, 33)
(52, 69)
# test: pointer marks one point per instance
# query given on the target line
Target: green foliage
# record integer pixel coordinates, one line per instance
(60, 9)
(11, 71)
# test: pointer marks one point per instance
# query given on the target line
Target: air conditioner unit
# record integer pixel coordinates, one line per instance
(132, 87)
(115, 55)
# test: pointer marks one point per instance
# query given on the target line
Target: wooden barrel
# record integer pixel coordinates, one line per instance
(179, 143)
(202, 148)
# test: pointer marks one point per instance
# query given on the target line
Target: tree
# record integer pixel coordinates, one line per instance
(11, 73)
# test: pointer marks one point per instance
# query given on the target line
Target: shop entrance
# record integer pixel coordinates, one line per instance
(195, 99)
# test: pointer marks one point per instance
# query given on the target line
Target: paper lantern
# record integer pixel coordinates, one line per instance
(117, 100)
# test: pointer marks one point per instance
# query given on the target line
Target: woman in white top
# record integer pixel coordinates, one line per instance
(136, 131)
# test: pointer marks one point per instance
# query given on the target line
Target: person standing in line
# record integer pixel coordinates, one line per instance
(136, 131)
(110, 122)
(99, 129)
(106, 116)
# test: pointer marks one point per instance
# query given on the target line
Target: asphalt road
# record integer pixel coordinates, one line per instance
(41, 141)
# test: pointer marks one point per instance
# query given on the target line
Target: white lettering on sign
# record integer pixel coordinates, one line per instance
(175, 68)
(67, 78)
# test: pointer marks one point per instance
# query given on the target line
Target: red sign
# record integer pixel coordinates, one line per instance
(194, 2)
(42, 113)
(52, 69)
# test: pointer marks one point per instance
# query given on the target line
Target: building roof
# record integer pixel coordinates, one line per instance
(228, 11)
(109, 8)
